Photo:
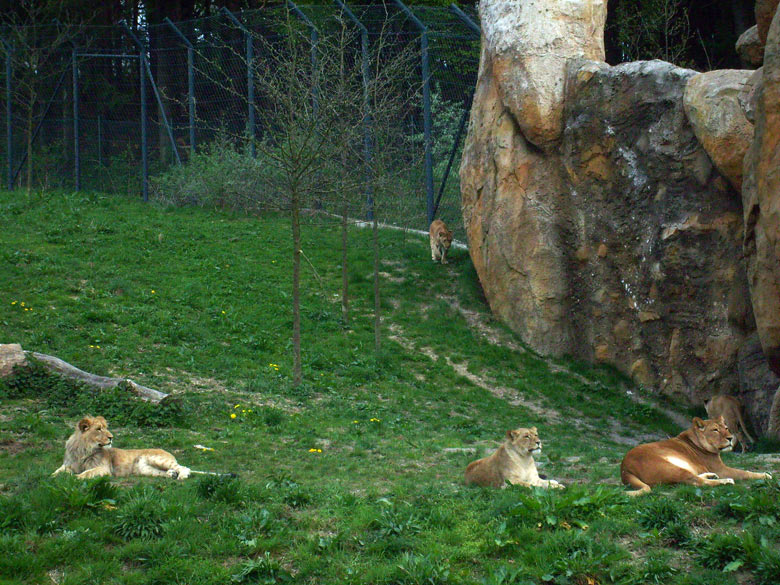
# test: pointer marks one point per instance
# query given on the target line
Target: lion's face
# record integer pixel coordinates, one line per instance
(95, 433)
(445, 238)
(713, 435)
(525, 441)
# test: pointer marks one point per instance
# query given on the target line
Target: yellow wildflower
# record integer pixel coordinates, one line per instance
(232, 415)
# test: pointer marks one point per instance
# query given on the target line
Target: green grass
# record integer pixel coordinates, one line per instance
(356, 476)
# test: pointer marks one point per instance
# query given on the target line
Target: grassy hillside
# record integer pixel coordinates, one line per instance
(355, 477)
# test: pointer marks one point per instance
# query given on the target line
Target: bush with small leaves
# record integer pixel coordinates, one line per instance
(219, 488)
(140, 517)
(263, 570)
(660, 513)
(415, 569)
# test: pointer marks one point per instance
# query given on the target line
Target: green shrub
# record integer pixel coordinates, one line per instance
(263, 570)
(767, 563)
(117, 404)
(219, 488)
(761, 503)
(70, 494)
(143, 516)
(574, 506)
(504, 575)
(416, 569)
(220, 176)
(718, 550)
(660, 513)
(397, 522)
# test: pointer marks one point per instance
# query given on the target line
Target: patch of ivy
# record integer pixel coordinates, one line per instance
(75, 398)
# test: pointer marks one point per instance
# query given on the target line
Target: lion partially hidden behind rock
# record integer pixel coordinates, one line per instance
(730, 408)
(89, 453)
(512, 462)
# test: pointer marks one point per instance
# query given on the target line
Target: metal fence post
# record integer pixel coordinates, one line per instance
(9, 132)
(148, 69)
(190, 82)
(315, 37)
(76, 149)
(250, 78)
(367, 120)
(427, 126)
(466, 20)
(39, 125)
(100, 140)
(144, 129)
(464, 117)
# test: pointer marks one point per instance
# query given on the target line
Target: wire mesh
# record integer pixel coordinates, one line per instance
(83, 114)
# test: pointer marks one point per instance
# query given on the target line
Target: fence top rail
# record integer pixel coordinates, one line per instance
(424, 18)
(107, 55)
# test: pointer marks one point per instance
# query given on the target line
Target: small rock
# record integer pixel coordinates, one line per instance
(11, 355)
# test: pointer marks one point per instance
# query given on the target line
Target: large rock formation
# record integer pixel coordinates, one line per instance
(750, 48)
(765, 11)
(607, 235)
(712, 105)
(531, 83)
(761, 203)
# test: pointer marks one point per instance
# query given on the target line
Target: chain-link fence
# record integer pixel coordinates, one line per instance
(111, 108)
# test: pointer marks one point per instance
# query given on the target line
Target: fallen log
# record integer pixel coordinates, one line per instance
(12, 355)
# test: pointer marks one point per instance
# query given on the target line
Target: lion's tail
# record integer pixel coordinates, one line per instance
(229, 474)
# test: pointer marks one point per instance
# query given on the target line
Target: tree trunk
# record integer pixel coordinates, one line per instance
(344, 268)
(30, 112)
(377, 303)
(296, 293)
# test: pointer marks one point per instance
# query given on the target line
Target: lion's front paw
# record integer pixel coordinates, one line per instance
(172, 473)
(727, 481)
(709, 475)
(767, 475)
(556, 485)
(184, 472)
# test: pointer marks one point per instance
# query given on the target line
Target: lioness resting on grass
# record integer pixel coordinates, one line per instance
(691, 457)
(513, 462)
(88, 453)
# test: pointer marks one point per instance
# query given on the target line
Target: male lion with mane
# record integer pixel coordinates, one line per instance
(88, 453)
(512, 462)
(692, 457)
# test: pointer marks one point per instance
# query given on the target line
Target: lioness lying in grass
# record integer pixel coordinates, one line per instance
(691, 457)
(512, 462)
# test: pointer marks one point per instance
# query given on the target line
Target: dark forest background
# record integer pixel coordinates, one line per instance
(693, 33)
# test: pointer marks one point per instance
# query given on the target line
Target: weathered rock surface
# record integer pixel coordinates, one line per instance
(620, 244)
(712, 105)
(530, 77)
(750, 48)
(757, 383)
(750, 92)
(765, 11)
(11, 355)
(761, 204)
